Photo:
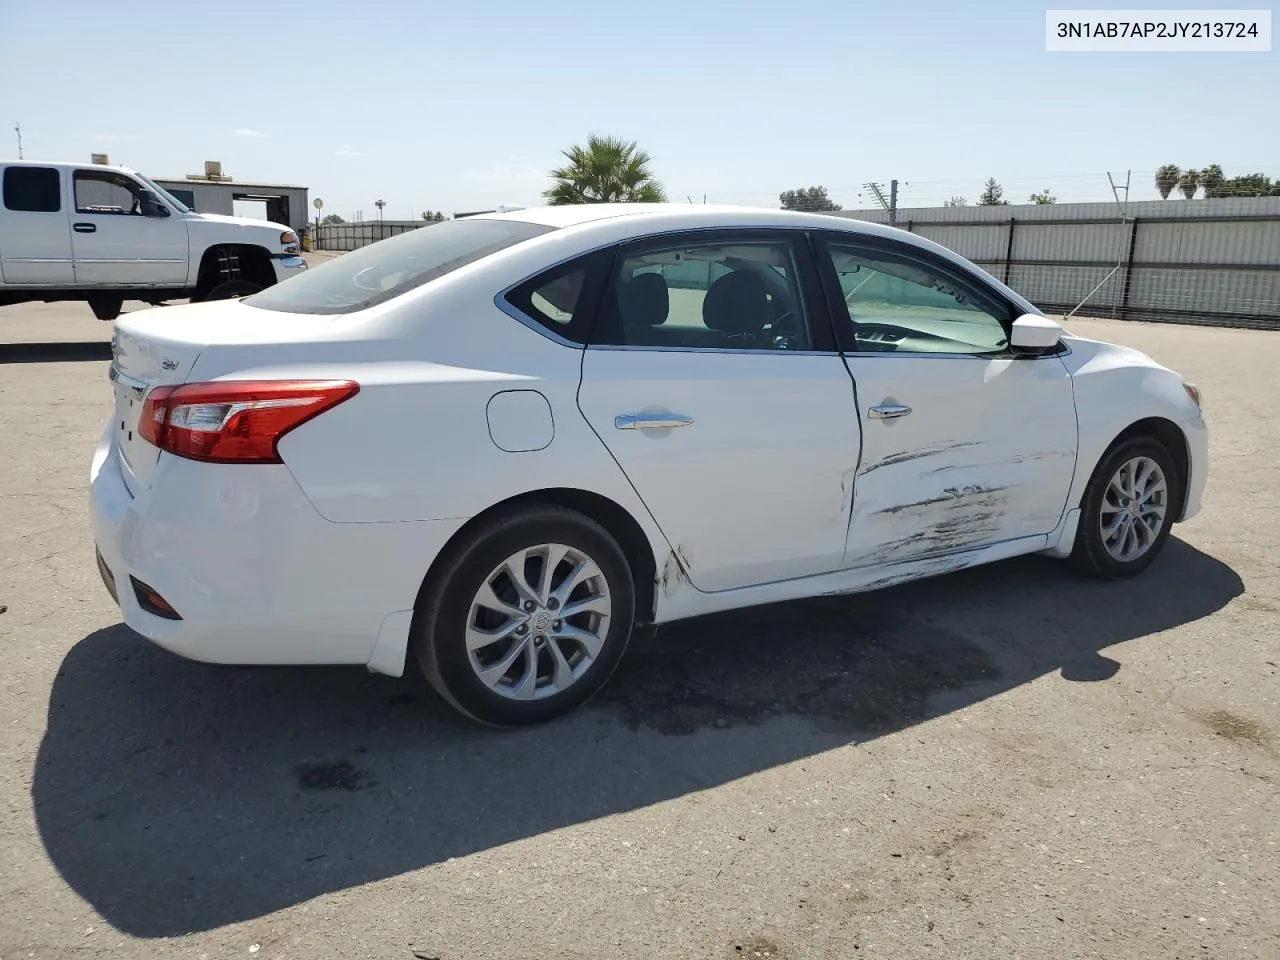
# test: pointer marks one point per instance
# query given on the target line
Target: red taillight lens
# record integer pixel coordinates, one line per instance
(235, 421)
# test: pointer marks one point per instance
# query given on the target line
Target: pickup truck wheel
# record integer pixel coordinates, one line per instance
(106, 308)
(232, 289)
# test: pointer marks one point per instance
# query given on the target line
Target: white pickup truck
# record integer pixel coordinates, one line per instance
(106, 234)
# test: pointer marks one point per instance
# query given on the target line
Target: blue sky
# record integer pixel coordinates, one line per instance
(429, 105)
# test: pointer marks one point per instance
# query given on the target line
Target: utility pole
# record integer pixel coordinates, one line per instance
(17, 128)
(893, 202)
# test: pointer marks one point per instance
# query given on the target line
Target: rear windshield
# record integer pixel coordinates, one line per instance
(376, 273)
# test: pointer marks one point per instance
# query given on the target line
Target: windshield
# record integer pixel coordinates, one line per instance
(182, 207)
(383, 270)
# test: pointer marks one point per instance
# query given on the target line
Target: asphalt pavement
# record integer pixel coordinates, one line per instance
(1007, 762)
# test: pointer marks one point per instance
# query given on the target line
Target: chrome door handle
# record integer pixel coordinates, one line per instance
(651, 421)
(887, 411)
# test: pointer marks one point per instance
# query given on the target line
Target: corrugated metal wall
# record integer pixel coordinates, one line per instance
(1190, 261)
(220, 197)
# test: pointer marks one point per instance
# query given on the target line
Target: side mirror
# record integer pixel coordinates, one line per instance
(151, 205)
(1035, 335)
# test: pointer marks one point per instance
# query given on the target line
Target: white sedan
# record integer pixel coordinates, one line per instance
(493, 445)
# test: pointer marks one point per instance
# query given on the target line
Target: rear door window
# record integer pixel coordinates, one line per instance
(32, 189)
(375, 274)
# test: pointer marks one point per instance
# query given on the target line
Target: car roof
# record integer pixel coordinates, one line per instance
(621, 221)
(572, 215)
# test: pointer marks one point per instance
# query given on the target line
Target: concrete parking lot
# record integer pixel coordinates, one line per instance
(1007, 762)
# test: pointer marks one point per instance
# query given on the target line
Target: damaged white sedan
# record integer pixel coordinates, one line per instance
(490, 446)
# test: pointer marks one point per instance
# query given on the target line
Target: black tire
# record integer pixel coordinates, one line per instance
(230, 289)
(106, 308)
(1090, 555)
(441, 618)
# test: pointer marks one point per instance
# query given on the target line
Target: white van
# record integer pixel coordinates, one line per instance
(106, 234)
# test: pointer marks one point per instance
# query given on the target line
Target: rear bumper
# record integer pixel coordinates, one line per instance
(254, 573)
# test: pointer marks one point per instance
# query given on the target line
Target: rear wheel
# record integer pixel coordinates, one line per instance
(231, 289)
(1128, 510)
(528, 618)
(106, 308)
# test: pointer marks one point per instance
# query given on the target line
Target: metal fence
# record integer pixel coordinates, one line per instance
(351, 236)
(1186, 261)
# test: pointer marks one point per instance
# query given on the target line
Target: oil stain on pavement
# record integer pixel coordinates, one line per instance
(845, 666)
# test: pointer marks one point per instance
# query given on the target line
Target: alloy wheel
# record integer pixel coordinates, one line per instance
(538, 622)
(1134, 509)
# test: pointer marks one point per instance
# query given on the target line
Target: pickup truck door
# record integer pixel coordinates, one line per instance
(114, 241)
(35, 232)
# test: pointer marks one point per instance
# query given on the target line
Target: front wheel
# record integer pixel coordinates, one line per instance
(528, 619)
(1128, 510)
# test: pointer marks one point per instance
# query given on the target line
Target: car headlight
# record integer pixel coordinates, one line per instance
(1193, 392)
(289, 241)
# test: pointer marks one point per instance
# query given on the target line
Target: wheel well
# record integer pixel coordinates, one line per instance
(234, 261)
(1171, 436)
(615, 519)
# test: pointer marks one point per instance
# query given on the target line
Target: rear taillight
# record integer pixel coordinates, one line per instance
(235, 421)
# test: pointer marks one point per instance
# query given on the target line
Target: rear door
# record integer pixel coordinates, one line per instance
(35, 232)
(115, 243)
(964, 443)
(712, 378)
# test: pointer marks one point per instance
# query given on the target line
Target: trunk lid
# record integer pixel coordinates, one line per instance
(141, 360)
(160, 347)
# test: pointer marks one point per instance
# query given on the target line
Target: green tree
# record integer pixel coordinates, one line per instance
(956, 201)
(1189, 183)
(1167, 179)
(992, 194)
(1249, 185)
(331, 218)
(810, 199)
(1211, 179)
(1043, 198)
(436, 217)
(606, 170)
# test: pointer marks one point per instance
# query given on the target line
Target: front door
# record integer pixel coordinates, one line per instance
(964, 444)
(115, 242)
(35, 234)
(711, 376)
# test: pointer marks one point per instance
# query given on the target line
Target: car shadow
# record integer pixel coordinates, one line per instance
(176, 797)
(55, 351)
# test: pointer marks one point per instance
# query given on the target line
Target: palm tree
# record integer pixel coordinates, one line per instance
(1211, 178)
(606, 170)
(1189, 183)
(1167, 178)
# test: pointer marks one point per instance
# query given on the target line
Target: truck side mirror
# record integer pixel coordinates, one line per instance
(151, 205)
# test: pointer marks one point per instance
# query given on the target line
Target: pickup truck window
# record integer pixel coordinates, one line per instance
(103, 192)
(386, 269)
(32, 189)
(181, 205)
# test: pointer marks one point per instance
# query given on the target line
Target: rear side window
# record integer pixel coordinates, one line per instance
(32, 189)
(563, 299)
(375, 274)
